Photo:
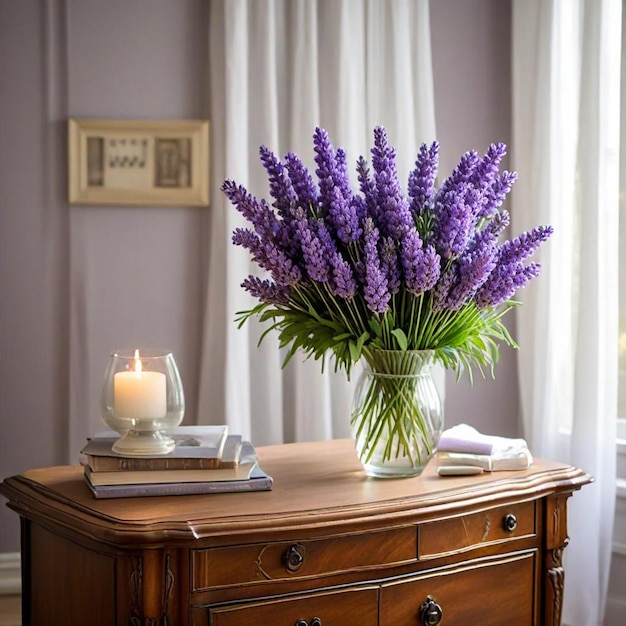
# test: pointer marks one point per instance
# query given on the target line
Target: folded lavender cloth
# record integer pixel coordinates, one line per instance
(464, 445)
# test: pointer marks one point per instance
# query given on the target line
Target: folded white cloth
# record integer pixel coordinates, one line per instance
(464, 445)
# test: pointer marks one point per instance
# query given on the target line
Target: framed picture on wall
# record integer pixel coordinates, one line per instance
(139, 162)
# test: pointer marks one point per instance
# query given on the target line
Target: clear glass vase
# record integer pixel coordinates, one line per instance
(397, 415)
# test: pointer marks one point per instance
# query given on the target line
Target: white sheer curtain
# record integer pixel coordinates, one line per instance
(277, 70)
(566, 81)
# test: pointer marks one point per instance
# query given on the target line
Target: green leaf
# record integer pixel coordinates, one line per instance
(403, 342)
(375, 326)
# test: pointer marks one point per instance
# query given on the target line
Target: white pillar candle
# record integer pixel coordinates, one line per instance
(140, 395)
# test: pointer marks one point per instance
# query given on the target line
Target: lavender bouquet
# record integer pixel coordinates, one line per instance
(349, 273)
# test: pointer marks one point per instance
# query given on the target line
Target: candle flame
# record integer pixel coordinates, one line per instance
(137, 362)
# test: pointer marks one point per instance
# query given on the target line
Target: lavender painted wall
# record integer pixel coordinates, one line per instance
(134, 276)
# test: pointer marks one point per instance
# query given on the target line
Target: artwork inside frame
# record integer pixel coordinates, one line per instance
(138, 162)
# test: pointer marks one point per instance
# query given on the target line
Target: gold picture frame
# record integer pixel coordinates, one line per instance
(138, 162)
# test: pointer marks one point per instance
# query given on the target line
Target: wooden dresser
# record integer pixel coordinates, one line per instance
(326, 547)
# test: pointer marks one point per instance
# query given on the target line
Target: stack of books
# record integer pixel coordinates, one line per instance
(206, 459)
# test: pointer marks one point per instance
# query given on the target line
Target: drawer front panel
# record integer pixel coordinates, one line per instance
(465, 532)
(331, 609)
(235, 565)
(493, 594)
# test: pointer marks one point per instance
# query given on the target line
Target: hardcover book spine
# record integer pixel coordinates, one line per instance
(118, 464)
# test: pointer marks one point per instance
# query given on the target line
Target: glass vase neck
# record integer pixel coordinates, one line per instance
(398, 362)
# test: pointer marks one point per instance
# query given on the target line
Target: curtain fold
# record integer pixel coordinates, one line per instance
(566, 81)
(277, 70)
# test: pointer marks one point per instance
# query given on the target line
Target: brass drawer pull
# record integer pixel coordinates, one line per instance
(293, 558)
(430, 612)
(510, 522)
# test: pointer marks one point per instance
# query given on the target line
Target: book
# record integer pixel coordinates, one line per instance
(197, 447)
(241, 471)
(258, 481)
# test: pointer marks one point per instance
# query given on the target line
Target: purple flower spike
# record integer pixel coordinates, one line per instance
(315, 258)
(343, 216)
(343, 283)
(421, 265)
(389, 264)
(461, 174)
(394, 214)
(280, 185)
(442, 289)
(523, 246)
(422, 179)
(301, 181)
(376, 291)
(259, 214)
(503, 282)
(266, 291)
(494, 197)
(473, 270)
(331, 171)
(368, 189)
(453, 223)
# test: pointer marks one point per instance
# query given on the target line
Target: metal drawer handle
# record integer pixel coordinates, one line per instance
(316, 621)
(510, 522)
(430, 612)
(293, 558)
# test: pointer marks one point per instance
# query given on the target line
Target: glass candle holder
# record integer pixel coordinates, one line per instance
(142, 396)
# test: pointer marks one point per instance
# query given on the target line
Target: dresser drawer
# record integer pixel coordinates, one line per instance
(350, 606)
(236, 565)
(465, 532)
(490, 594)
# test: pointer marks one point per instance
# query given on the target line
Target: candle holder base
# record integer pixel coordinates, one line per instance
(143, 443)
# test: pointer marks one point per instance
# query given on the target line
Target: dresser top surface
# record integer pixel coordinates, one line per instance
(315, 484)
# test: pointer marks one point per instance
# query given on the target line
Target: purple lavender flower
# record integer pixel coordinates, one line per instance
(266, 291)
(421, 187)
(280, 185)
(421, 265)
(313, 252)
(376, 289)
(389, 264)
(495, 195)
(268, 256)
(368, 189)
(329, 173)
(301, 181)
(454, 220)
(498, 223)
(441, 291)
(343, 216)
(503, 282)
(283, 270)
(510, 273)
(394, 215)
(484, 176)
(520, 248)
(461, 174)
(259, 214)
(335, 199)
(342, 283)
(473, 268)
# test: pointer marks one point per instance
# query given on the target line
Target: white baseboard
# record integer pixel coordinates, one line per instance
(10, 573)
